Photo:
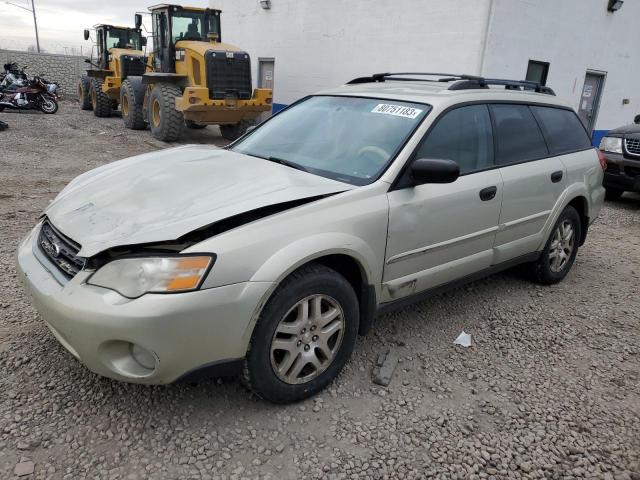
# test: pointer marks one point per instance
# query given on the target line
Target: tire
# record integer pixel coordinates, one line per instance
(100, 101)
(84, 95)
(613, 193)
(545, 270)
(132, 107)
(233, 132)
(167, 123)
(193, 125)
(311, 283)
(48, 105)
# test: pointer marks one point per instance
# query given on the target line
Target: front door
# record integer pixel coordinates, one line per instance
(590, 99)
(266, 68)
(442, 232)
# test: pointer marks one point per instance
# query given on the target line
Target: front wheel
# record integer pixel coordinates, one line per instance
(167, 123)
(84, 93)
(304, 336)
(48, 105)
(560, 250)
(100, 101)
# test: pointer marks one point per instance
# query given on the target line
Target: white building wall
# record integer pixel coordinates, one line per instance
(573, 36)
(318, 44)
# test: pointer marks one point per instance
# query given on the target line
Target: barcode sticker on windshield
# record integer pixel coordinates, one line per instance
(397, 110)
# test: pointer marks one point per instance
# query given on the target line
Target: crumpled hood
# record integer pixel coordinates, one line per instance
(160, 196)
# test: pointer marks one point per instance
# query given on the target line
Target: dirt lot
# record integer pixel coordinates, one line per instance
(549, 389)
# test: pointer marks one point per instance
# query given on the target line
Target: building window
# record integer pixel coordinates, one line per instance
(538, 71)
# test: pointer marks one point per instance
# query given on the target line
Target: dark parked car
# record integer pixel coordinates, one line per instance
(621, 149)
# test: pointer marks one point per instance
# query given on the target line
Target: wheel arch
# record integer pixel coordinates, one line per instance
(575, 196)
(353, 260)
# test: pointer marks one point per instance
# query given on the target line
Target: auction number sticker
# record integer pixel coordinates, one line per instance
(397, 110)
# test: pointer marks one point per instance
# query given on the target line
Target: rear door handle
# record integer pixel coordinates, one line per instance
(556, 176)
(488, 193)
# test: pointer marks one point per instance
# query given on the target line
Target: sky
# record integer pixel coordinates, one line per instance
(61, 22)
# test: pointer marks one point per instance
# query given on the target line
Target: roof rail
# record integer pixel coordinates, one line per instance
(460, 82)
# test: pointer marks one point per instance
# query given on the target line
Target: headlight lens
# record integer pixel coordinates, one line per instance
(611, 144)
(133, 277)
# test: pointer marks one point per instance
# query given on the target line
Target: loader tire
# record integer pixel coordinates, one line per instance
(99, 100)
(167, 123)
(233, 132)
(132, 107)
(84, 93)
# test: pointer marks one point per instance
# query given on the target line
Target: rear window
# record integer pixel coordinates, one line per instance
(518, 136)
(562, 130)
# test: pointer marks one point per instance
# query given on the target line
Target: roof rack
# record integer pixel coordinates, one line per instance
(460, 82)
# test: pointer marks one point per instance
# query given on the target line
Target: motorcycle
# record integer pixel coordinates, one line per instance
(31, 94)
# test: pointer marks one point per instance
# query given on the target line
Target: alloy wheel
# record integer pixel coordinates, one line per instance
(561, 246)
(307, 339)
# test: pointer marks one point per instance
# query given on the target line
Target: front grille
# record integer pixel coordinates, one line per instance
(632, 146)
(131, 66)
(60, 250)
(228, 75)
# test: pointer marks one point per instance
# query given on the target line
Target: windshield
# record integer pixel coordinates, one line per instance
(187, 25)
(347, 139)
(122, 38)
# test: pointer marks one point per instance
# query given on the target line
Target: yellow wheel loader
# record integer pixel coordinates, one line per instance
(192, 79)
(120, 55)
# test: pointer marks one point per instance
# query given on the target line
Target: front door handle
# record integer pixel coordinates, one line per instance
(488, 193)
(556, 176)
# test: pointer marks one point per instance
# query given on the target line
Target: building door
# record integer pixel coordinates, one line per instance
(590, 99)
(265, 78)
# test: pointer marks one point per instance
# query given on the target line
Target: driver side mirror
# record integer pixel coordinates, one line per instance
(86, 34)
(138, 20)
(637, 119)
(143, 41)
(428, 170)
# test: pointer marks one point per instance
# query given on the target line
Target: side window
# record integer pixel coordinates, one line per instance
(463, 135)
(562, 129)
(518, 136)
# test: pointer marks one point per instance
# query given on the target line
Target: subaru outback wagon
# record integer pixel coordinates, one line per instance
(269, 257)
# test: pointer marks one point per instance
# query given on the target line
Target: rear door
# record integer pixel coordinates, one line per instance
(533, 180)
(441, 232)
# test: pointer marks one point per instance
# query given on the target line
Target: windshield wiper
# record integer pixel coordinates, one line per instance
(287, 163)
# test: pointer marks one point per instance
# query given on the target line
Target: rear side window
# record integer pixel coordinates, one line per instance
(518, 136)
(562, 130)
(462, 135)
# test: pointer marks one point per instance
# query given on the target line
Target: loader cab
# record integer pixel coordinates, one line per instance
(172, 24)
(109, 36)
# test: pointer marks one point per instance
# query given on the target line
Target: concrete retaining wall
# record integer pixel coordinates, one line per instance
(63, 69)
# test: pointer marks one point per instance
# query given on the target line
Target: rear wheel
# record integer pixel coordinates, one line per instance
(193, 125)
(132, 113)
(84, 94)
(233, 132)
(100, 101)
(613, 193)
(304, 336)
(166, 122)
(560, 250)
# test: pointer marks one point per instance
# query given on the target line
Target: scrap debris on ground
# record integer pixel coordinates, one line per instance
(550, 388)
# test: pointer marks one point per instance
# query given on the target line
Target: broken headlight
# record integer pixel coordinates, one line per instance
(133, 277)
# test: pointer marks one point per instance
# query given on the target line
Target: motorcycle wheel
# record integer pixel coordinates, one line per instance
(48, 105)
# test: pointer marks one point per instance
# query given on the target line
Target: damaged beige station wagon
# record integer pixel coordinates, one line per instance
(267, 258)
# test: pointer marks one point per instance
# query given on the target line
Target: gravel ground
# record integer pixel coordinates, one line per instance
(550, 387)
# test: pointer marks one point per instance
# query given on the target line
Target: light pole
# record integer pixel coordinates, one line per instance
(35, 22)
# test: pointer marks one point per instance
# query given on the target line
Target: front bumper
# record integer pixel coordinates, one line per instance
(196, 106)
(622, 173)
(182, 332)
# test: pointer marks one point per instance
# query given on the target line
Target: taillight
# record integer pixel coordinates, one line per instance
(603, 160)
